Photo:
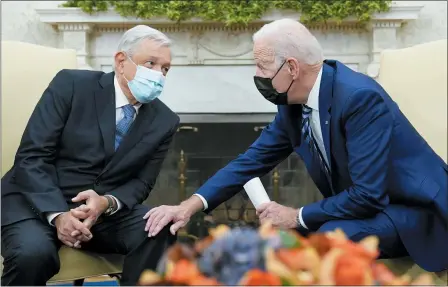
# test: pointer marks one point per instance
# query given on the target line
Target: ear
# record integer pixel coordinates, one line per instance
(120, 58)
(293, 67)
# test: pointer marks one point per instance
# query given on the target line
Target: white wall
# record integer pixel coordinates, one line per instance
(21, 23)
(431, 25)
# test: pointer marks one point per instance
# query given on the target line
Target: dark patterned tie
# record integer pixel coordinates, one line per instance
(124, 124)
(308, 137)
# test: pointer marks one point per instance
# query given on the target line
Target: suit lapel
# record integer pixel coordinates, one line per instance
(106, 114)
(325, 99)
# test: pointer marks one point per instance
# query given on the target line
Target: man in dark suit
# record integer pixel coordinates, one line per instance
(88, 158)
(377, 174)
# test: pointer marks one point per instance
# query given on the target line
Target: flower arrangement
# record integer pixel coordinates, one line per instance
(274, 257)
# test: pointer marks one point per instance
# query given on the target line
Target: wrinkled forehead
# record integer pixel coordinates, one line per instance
(263, 52)
(149, 49)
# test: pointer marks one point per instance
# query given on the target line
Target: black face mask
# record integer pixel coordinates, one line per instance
(264, 86)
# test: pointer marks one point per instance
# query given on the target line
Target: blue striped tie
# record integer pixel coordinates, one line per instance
(124, 124)
(307, 133)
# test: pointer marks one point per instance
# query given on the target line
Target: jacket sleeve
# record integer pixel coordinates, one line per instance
(34, 170)
(271, 148)
(136, 190)
(368, 125)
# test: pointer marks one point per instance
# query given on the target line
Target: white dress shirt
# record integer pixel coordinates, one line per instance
(313, 103)
(120, 101)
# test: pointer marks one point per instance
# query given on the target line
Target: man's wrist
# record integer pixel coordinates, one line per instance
(56, 219)
(192, 205)
(105, 203)
(51, 216)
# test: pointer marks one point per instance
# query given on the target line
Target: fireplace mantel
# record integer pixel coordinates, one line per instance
(214, 63)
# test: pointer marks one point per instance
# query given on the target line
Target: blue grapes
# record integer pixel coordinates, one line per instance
(231, 256)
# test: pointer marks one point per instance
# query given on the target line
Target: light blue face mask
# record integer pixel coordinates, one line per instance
(147, 84)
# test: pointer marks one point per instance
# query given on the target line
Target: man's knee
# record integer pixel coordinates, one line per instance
(381, 226)
(35, 257)
(138, 235)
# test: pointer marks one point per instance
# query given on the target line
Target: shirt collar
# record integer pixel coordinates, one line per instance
(120, 97)
(313, 98)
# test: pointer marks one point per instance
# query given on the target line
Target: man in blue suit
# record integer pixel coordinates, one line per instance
(377, 174)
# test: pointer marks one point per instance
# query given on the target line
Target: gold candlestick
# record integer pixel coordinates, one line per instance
(276, 181)
(182, 177)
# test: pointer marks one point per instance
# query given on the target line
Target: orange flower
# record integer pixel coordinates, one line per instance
(321, 242)
(203, 281)
(352, 270)
(183, 272)
(354, 249)
(292, 258)
(259, 278)
(300, 259)
(203, 244)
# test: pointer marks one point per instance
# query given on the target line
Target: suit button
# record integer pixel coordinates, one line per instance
(97, 182)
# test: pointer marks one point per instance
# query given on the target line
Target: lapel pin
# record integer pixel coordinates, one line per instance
(326, 122)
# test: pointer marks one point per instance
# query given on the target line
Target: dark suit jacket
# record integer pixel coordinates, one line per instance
(379, 163)
(68, 147)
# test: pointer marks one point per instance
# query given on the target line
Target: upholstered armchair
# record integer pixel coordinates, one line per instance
(416, 78)
(26, 72)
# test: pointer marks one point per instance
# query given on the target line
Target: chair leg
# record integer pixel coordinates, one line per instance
(78, 282)
(116, 276)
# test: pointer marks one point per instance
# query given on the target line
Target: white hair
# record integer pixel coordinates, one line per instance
(132, 38)
(289, 38)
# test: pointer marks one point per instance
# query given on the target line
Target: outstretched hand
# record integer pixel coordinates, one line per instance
(179, 215)
(161, 216)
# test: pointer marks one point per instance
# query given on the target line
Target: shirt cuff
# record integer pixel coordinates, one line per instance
(301, 219)
(51, 216)
(204, 202)
(119, 204)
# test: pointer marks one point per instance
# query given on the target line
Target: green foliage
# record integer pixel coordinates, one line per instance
(240, 12)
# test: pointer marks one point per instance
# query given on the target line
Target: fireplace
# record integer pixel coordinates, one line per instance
(200, 149)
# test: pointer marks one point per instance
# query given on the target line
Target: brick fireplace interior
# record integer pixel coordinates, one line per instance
(201, 149)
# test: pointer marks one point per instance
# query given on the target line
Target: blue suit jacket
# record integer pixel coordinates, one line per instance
(379, 163)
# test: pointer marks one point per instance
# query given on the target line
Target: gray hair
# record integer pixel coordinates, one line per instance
(289, 38)
(132, 38)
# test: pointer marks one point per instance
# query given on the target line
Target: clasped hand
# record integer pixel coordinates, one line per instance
(73, 227)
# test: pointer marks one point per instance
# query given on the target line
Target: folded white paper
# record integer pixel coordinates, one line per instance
(256, 192)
